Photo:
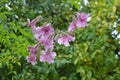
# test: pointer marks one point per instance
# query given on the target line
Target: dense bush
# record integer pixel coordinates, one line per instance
(90, 57)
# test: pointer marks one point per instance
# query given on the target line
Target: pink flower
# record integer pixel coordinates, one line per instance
(72, 26)
(82, 20)
(47, 42)
(47, 30)
(43, 31)
(37, 33)
(47, 56)
(35, 30)
(32, 57)
(65, 39)
(33, 23)
(31, 49)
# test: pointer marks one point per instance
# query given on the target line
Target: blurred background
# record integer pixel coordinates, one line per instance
(94, 55)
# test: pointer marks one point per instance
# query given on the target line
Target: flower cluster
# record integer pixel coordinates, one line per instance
(46, 37)
(80, 22)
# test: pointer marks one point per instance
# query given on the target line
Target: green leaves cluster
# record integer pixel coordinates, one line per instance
(90, 57)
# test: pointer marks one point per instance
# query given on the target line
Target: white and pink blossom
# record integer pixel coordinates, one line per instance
(72, 26)
(47, 30)
(82, 20)
(32, 23)
(32, 57)
(47, 56)
(47, 42)
(65, 39)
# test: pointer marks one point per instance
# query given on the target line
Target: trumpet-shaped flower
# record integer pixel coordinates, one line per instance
(47, 42)
(47, 56)
(47, 30)
(65, 39)
(82, 20)
(43, 31)
(32, 23)
(32, 57)
(72, 26)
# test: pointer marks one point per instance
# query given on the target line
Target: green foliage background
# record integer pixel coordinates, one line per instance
(90, 57)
